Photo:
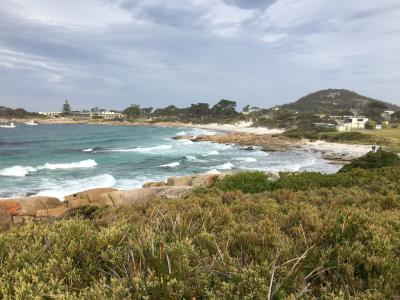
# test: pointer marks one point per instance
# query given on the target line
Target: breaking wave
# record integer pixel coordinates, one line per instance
(17, 171)
(225, 166)
(89, 163)
(246, 159)
(21, 171)
(171, 165)
(210, 153)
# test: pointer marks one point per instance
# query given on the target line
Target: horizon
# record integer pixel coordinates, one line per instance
(112, 54)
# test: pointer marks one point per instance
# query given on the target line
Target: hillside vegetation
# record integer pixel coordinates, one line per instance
(336, 100)
(7, 113)
(307, 235)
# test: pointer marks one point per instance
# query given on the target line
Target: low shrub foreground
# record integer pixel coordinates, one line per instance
(308, 236)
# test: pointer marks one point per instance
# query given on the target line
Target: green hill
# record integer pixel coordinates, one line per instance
(337, 100)
(6, 113)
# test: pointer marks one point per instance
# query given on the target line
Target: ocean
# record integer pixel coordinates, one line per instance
(58, 160)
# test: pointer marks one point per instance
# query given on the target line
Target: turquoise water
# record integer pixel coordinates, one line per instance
(57, 160)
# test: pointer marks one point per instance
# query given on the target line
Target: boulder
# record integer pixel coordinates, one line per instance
(204, 180)
(183, 137)
(154, 184)
(121, 198)
(10, 206)
(180, 180)
(5, 218)
(28, 206)
(52, 212)
(78, 202)
(90, 195)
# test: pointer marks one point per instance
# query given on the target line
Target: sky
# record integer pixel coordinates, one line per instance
(112, 54)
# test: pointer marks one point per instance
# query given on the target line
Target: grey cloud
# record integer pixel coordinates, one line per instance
(251, 4)
(169, 53)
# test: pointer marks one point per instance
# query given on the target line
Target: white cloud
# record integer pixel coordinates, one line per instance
(273, 37)
(75, 14)
(198, 50)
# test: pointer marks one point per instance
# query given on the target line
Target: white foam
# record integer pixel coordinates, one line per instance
(225, 166)
(88, 150)
(193, 158)
(89, 163)
(213, 171)
(246, 159)
(152, 149)
(17, 171)
(171, 165)
(185, 142)
(210, 153)
(68, 187)
(180, 133)
(222, 146)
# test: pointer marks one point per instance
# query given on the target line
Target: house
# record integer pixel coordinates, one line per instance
(50, 114)
(387, 113)
(109, 115)
(343, 127)
(347, 123)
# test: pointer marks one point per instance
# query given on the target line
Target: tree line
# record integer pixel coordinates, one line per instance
(199, 111)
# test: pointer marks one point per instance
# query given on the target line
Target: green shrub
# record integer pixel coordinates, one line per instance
(314, 236)
(247, 182)
(353, 137)
(372, 160)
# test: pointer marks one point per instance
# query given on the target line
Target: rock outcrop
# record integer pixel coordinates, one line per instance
(29, 208)
(21, 209)
(154, 184)
(183, 137)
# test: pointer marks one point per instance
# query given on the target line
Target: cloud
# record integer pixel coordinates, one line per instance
(114, 53)
(74, 14)
(251, 4)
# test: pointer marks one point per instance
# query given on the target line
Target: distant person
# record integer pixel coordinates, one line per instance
(373, 148)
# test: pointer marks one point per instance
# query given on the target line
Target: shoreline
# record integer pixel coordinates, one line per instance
(241, 127)
(337, 154)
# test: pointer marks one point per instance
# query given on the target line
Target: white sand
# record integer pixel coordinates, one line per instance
(242, 127)
(346, 150)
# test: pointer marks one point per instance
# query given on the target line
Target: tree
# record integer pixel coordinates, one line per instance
(395, 117)
(199, 110)
(246, 109)
(370, 124)
(132, 111)
(169, 111)
(224, 108)
(375, 109)
(66, 108)
(146, 111)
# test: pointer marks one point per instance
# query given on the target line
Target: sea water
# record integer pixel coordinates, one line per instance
(57, 160)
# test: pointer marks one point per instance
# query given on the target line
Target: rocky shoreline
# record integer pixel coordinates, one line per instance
(26, 209)
(338, 154)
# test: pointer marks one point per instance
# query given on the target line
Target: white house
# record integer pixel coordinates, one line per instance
(347, 123)
(387, 113)
(109, 115)
(50, 114)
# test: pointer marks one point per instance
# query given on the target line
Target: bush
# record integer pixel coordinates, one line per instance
(373, 160)
(315, 237)
(370, 125)
(354, 137)
(247, 182)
